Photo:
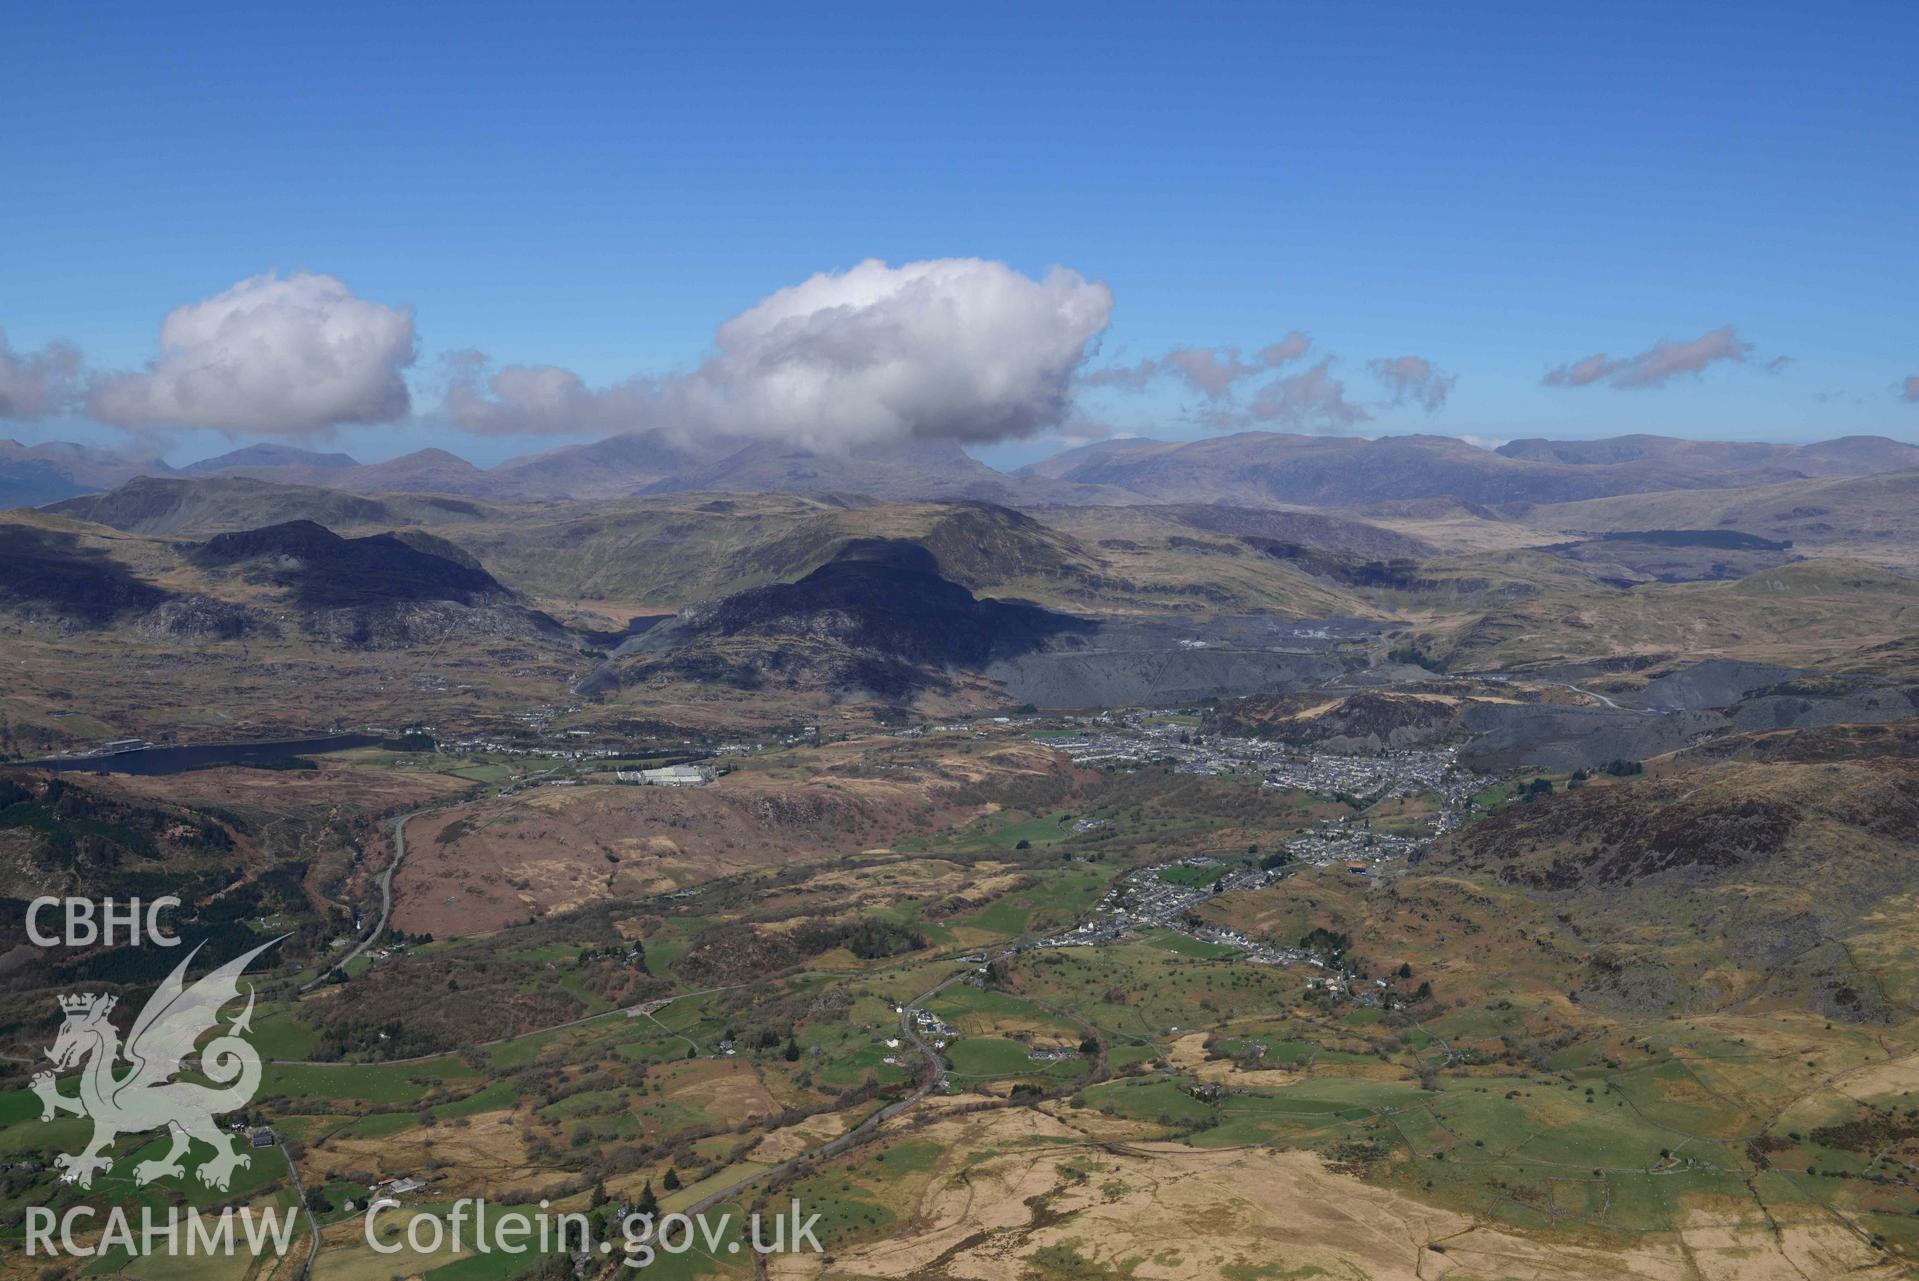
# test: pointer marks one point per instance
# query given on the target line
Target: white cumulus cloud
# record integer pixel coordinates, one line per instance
(273, 356)
(957, 349)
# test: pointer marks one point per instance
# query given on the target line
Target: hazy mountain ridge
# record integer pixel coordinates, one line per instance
(202, 506)
(1262, 468)
(1249, 469)
(1752, 462)
(267, 456)
(34, 474)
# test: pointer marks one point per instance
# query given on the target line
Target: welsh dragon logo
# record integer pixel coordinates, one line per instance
(147, 1097)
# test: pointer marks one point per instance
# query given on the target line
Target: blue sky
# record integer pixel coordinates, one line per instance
(1499, 189)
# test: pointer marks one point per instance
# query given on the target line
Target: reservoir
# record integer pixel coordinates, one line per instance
(173, 760)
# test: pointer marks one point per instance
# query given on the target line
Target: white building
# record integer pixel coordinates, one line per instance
(668, 776)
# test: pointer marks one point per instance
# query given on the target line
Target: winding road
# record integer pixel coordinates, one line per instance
(1589, 693)
(386, 896)
(399, 853)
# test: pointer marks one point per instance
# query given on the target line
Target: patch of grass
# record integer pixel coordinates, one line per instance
(986, 1056)
(374, 1082)
(1192, 877)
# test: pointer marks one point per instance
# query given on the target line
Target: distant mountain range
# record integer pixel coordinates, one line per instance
(195, 504)
(1756, 463)
(239, 461)
(1249, 469)
(34, 474)
(1264, 468)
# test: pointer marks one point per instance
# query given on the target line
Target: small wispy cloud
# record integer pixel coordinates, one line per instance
(1312, 400)
(1213, 372)
(1414, 379)
(1658, 365)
